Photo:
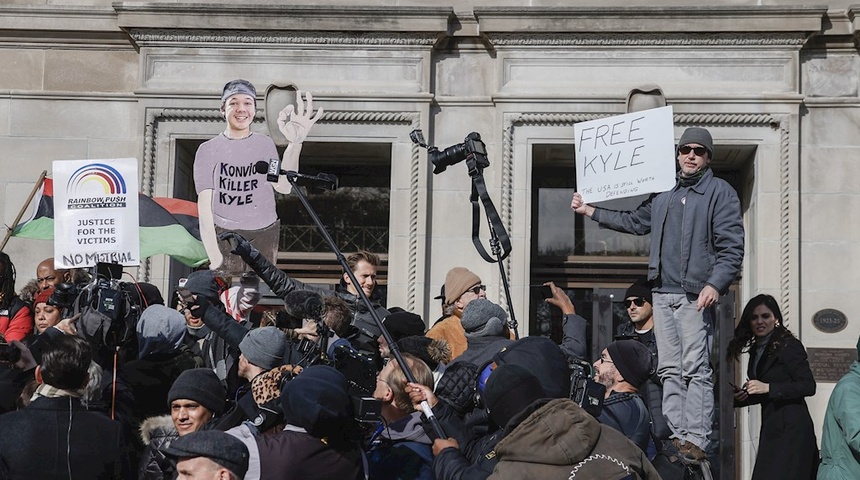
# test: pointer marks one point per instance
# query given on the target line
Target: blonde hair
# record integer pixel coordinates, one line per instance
(397, 380)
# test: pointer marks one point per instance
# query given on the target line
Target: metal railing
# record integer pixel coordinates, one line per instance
(306, 238)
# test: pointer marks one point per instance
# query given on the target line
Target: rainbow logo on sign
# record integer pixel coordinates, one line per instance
(105, 175)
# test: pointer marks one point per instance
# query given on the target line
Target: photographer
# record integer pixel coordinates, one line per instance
(467, 453)
(622, 368)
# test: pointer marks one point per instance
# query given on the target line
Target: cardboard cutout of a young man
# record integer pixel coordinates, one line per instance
(232, 196)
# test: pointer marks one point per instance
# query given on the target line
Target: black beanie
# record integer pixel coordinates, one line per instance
(403, 324)
(202, 282)
(510, 389)
(633, 361)
(200, 385)
(640, 289)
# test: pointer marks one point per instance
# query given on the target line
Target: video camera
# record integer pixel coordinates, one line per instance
(454, 154)
(587, 393)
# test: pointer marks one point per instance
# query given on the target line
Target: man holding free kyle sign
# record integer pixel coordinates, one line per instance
(697, 248)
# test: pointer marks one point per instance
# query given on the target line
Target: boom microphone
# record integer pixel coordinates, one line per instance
(320, 181)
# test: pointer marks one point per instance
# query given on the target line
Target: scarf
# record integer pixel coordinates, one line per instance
(692, 179)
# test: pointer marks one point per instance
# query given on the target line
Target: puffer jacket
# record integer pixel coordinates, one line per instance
(561, 440)
(156, 433)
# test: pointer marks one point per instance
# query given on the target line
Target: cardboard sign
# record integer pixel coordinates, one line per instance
(625, 155)
(96, 212)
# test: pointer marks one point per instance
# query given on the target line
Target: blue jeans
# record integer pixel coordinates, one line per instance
(684, 338)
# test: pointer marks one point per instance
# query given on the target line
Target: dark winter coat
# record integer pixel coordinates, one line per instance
(53, 435)
(787, 445)
(150, 380)
(297, 455)
(157, 433)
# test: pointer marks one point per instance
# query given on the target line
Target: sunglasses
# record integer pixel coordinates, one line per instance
(686, 149)
(477, 289)
(638, 301)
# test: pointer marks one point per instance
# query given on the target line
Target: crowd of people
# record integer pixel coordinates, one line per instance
(333, 384)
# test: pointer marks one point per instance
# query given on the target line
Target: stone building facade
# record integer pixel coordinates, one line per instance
(777, 85)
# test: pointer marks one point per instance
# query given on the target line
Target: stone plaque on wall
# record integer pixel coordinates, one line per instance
(829, 364)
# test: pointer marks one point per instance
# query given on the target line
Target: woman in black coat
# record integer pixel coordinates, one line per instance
(778, 379)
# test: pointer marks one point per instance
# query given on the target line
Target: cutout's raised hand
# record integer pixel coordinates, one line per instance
(296, 121)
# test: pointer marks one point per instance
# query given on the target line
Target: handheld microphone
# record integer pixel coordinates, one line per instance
(320, 181)
(274, 169)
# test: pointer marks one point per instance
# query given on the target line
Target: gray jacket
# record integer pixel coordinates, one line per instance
(712, 238)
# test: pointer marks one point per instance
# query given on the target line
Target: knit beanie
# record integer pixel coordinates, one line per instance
(457, 281)
(697, 135)
(264, 347)
(430, 351)
(202, 282)
(483, 318)
(202, 386)
(639, 289)
(510, 389)
(633, 361)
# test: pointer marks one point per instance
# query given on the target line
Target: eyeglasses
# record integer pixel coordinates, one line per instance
(638, 301)
(477, 289)
(605, 360)
(686, 149)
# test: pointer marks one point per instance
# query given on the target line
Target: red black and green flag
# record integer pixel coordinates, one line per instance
(168, 226)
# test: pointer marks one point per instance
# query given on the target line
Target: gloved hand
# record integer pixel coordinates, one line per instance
(238, 244)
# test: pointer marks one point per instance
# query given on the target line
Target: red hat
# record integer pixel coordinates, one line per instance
(43, 296)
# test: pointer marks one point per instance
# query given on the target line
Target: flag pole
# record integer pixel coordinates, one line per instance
(36, 188)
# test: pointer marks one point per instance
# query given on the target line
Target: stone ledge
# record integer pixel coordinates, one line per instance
(802, 19)
(242, 16)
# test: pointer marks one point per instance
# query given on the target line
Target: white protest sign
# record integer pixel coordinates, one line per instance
(625, 155)
(96, 212)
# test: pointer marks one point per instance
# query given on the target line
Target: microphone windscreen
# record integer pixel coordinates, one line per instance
(261, 167)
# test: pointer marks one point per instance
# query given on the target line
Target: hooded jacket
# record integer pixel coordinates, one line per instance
(840, 442)
(156, 433)
(561, 440)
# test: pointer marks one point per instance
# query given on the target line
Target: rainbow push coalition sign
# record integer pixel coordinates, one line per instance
(96, 212)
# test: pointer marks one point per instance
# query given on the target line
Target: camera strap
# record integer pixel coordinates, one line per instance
(498, 232)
